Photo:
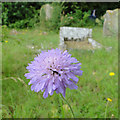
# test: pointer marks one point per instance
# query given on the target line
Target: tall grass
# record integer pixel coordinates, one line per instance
(94, 86)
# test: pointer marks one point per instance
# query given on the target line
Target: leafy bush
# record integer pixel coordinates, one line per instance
(100, 21)
(30, 22)
(100, 7)
(77, 19)
(20, 14)
(26, 14)
(5, 32)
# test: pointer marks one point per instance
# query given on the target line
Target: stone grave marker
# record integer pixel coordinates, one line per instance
(110, 26)
(73, 34)
(49, 15)
(47, 11)
(78, 38)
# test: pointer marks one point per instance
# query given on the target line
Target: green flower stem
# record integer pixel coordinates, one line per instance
(62, 110)
(68, 105)
(106, 109)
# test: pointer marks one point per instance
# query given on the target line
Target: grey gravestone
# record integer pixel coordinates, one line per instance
(110, 26)
(79, 34)
(73, 33)
(50, 16)
(94, 43)
(46, 11)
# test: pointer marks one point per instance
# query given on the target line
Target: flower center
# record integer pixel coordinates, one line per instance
(55, 72)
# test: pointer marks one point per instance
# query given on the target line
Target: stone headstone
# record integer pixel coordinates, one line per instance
(94, 43)
(46, 11)
(73, 33)
(110, 26)
(49, 15)
(45, 15)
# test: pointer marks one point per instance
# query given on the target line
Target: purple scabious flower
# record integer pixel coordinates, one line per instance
(54, 70)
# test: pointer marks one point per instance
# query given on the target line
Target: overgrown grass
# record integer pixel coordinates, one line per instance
(94, 86)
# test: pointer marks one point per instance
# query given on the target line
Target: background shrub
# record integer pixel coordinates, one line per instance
(26, 14)
(77, 19)
(5, 32)
(20, 14)
(100, 7)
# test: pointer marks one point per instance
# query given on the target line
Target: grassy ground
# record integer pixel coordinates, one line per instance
(94, 86)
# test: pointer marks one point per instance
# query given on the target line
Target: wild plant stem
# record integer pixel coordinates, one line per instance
(68, 105)
(106, 109)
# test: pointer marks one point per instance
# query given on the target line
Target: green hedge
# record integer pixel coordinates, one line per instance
(26, 14)
(20, 14)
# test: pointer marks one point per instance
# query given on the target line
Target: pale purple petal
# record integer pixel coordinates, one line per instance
(45, 94)
(53, 70)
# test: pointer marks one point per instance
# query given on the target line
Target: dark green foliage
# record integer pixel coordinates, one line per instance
(77, 19)
(100, 7)
(20, 14)
(26, 14)
(5, 33)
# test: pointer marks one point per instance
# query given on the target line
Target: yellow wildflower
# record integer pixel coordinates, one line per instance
(111, 73)
(40, 31)
(6, 41)
(108, 99)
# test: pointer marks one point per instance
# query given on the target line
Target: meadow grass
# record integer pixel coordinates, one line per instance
(94, 86)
